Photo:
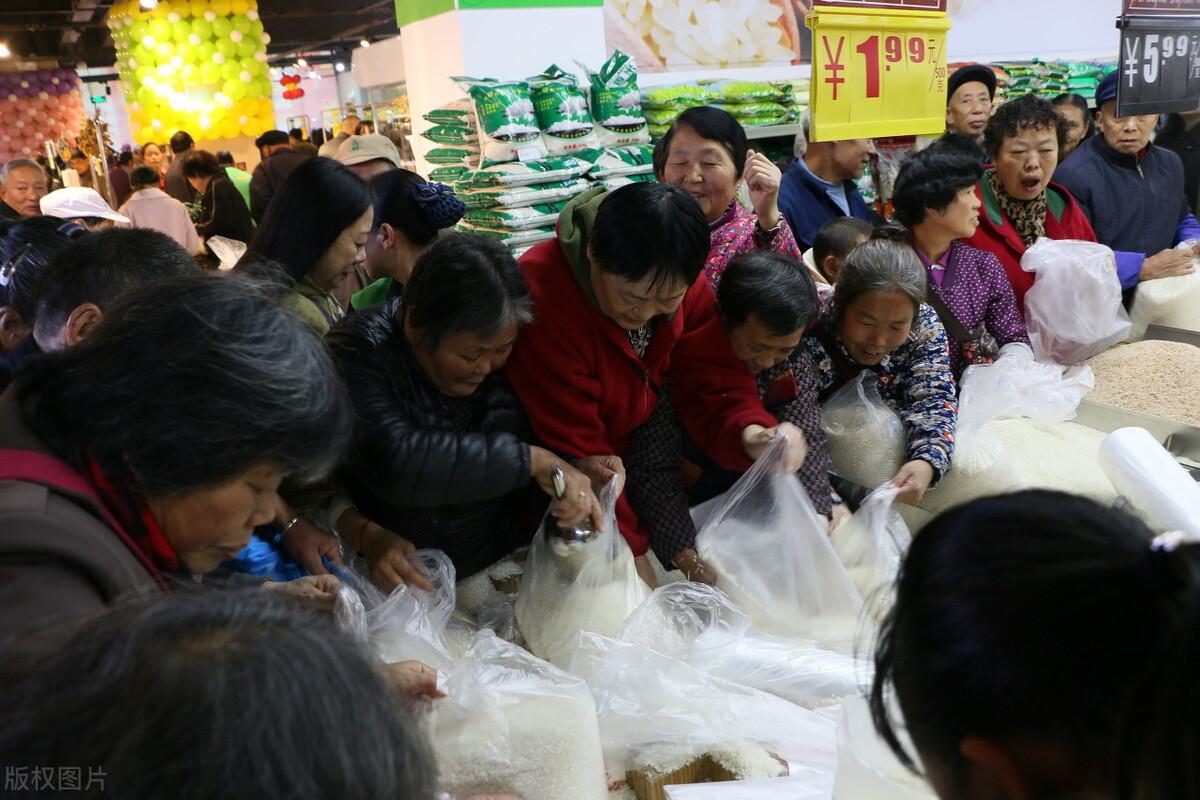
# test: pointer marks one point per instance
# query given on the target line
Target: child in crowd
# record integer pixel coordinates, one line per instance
(834, 242)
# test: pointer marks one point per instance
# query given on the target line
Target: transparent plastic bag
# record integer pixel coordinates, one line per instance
(867, 442)
(228, 251)
(591, 586)
(1073, 311)
(657, 712)
(871, 544)
(350, 615)
(1173, 302)
(699, 625)
(772, 555)
(411, 623)
(513, 724)
(867, 769)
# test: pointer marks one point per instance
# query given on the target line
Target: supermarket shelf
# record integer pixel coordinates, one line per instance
(771, 131)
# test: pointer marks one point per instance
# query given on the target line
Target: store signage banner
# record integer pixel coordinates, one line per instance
(1159, 66)
(891, 5)
(410, 11)
(1162, 7)
(877, 73)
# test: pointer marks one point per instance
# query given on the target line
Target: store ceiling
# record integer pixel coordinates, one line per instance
(46, 33)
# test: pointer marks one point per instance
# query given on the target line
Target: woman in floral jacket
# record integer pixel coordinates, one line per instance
(706, 153)
(879, 322)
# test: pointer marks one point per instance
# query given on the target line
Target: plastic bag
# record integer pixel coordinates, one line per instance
(513, 724)
(411, 623)
(1150, 478)
(657, 712)
(508, 129)
(562, 112)
(699, 625)
(1074, 309)
(228, 251)
(350, 615)
(871, 544)
(592, 586)
(1172, 302)
(867, 769)
(617, 102)
(867, 441)
(772, 555)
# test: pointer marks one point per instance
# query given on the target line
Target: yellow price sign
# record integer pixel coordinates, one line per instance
(877, 73)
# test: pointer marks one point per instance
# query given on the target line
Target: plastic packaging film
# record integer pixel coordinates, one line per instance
(1152, 481)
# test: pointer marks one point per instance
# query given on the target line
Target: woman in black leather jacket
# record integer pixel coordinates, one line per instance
(441, 443)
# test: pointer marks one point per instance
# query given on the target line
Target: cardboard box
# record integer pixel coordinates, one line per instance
(652, 786)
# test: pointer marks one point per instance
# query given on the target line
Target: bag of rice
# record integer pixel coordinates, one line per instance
(686, 95)
(867, 769)
(772, 556)
(448, 174)
(452, 135)
(756, 110)
(871, 545)
(518, 219)
(508, 236)
(634, 159)
(457, 113)
(522, 196)
(512, 724)
(662, 116)
(507, 124)
(558, 168)
(410, 624)
(562, 112)
(1173, 302)
(617, 102)
(867, 441)
(623, 180)
(581, 586)
(734, 91)
(452, 155)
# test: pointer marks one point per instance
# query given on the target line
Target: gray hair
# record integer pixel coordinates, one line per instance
(18, 163)
(800, 147)
(880, 266)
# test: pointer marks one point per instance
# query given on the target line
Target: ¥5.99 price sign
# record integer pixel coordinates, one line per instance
(877, 72)
(1160, 66)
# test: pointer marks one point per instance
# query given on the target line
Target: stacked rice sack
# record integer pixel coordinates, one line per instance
(752, 103)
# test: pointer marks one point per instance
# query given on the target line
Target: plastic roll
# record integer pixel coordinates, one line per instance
(1152, 481)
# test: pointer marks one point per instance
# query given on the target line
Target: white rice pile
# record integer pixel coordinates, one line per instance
(1153, 377)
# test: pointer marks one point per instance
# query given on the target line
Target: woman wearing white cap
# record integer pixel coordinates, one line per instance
(82, 206)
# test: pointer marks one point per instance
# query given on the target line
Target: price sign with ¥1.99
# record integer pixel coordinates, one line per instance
(1159, 66)
(877, 72)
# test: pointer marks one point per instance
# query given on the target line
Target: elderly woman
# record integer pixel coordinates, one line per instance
(619, 312)
(1075, 113)
(1020, 203)
(223, 210)
(317, 227)
(935, 199)
(706, 154)
(182, 464)
(879, 322)
(442, 447)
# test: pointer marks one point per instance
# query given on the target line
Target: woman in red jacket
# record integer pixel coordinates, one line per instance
(1020, 203)
(620, 315)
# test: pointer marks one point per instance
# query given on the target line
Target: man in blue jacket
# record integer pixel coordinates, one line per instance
(1132, 192)
(820, 184)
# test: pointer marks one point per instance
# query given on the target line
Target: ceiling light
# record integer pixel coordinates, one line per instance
(340, 67)
(4, 51)
(300, 62)
(148, 4)
(365, 43)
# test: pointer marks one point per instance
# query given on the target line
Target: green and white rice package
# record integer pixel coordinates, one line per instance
(452, 135)
(449, 174)
(662, 116)
(562, 112)
(617, 103)
(460, 112)
(518, 219)
(623, 180)
(634, 159)
(559, 168)
(508, 129)
(735, 91)
(680, 95)
(762, 110)
(454, 156)
(508, 236)
(522, 196)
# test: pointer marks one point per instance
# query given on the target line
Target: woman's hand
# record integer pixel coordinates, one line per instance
(838, 516)
(763, 179)
(602, 469)
(756, 438)
(578, 501)
(413, 679)
(695, 568)
(315, 591)
(387, 555)
(913, 481)
(1167, 264)
(308, 544)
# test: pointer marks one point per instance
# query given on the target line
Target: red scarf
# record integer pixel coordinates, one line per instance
(144, 531)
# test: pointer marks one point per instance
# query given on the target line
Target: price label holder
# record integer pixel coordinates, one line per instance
(877, 72)
(1159, 65)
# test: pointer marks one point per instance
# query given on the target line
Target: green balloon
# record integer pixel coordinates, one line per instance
(204, 52)
(202, 27)
(230, 70)
(209, 72)
(242, 24)
(221, 27)
(180, 31)
(227, 48)
(163, 52)
(248, 47)
(235, 89)
(145, 96)
(160, 29)
(254, 90)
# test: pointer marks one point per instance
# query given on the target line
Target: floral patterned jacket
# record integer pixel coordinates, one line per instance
(736, 232)
(914, 379)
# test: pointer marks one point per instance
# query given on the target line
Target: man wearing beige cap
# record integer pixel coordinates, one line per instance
(83, 206)
(369, 155)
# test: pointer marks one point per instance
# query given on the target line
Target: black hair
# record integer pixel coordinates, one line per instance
(465, 283)
(711, 123)
(143, 177)
(1014, 116)
(417, 209)
(77, 154)
(125, 158)
(931, 180)
(1072, 99)
(1036, 616)
(181, 142)
(776, 289)
(150, 695)
(650, 230)
(103, 267)
(201, 164)
(837, 238)
(882, 265)
(225, 158)
(296, 133)
(189, 382)
(27, 247)
(317, 202)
